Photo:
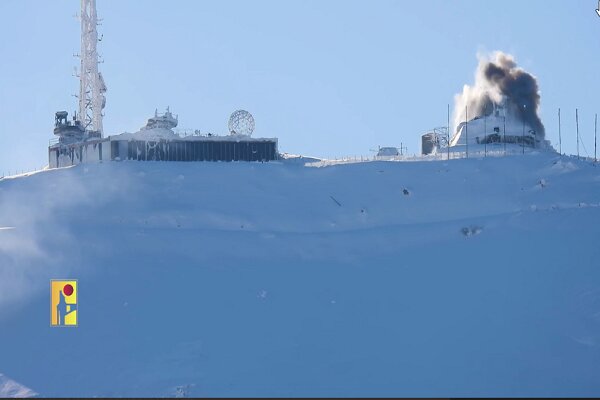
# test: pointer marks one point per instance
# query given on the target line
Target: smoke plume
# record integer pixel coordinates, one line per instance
(498, 79)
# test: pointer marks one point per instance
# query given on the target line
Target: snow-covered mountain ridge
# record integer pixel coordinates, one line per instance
(440, 278)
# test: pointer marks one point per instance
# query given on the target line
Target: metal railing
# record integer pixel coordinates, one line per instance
(441, 156)
(23, 172)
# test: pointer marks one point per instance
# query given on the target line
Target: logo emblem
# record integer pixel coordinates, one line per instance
(63, 302)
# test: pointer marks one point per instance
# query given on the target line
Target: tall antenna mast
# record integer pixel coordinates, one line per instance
(91, 83)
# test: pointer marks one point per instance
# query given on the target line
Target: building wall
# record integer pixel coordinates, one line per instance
(72, 154)
(193, 150)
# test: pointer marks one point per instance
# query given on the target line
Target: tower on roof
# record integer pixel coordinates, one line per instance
(91, 84)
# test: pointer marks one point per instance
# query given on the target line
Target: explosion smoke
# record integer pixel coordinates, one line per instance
(499, 81)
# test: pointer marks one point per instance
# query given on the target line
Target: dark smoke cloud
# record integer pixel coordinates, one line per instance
(499, 80)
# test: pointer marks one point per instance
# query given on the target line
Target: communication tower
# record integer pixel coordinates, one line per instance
(91, 84)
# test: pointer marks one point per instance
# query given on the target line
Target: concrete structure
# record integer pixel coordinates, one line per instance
(429, 144)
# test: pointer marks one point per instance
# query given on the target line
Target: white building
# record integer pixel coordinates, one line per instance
(498, 128)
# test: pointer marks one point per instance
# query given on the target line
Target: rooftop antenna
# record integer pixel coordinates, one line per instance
(91, 84)
(402, 148)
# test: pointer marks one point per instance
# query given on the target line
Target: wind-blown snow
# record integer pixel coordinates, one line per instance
(10, 388)
(470, 277)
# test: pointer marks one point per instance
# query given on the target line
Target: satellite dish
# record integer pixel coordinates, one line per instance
(241, 122)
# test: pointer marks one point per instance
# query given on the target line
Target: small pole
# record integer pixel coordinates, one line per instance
(577, 124)
(485, 132)
(448, 134)
(504, 134)
(467, 129)
(523, 134)
(559, 136)
(595, 137)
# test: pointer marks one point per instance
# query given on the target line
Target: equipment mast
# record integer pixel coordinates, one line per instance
(91, 84)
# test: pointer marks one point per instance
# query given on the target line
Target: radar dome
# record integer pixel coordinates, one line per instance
(241, 122)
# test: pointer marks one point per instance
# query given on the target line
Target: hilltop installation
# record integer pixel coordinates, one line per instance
(81, 139)
(498, 112)
(157, 141)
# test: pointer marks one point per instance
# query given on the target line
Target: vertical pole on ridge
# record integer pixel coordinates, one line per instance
(523, 134)
(448, 134)
(577, 125)
(504, 133)
(485, 132)
(467, 129)
(559, 135)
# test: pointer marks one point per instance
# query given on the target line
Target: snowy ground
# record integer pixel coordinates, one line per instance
(470, 277)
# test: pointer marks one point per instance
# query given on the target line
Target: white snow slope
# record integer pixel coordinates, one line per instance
(278, 279)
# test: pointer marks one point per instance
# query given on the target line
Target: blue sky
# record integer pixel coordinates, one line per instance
(328, 78)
